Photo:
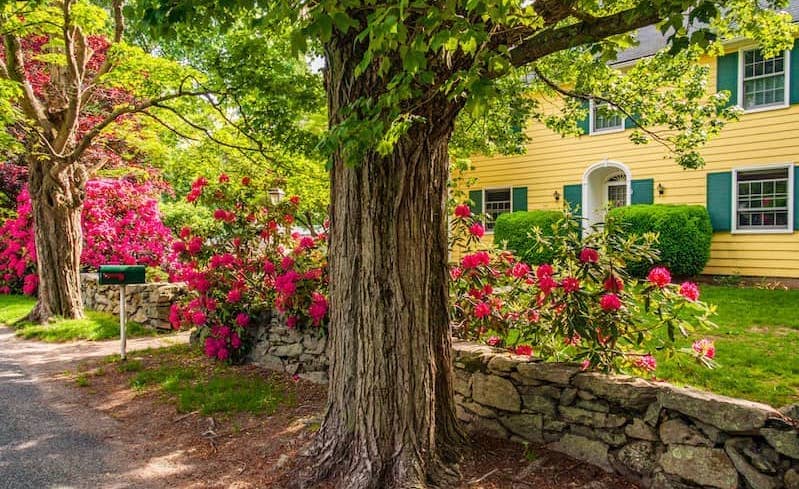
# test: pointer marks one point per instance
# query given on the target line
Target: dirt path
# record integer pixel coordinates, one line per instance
(48, 438)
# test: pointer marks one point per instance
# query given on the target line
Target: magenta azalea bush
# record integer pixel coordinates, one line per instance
(121, 225)
(255, 265)
(583, 307)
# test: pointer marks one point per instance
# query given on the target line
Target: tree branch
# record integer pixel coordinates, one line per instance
(584, 32)
(582, 96)
(87, 139)
(15, 71)
(75, 54)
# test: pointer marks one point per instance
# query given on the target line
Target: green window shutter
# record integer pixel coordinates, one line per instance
(794, 74)
(519, 199)
(643, 191)
(573, 196)
(795, 198)
(585, 123)
(727, 76)
(629, 124)
(719, 200)
(476, 196)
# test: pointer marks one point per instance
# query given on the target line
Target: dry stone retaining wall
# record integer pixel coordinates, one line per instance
(658, 435)
(147, 304)
(277, 347)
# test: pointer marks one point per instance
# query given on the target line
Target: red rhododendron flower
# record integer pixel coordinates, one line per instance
(455, 273)
(185, 232)
(570, 284)
(245, 181)
(533, 315)
(295, 199)
(463, 211)
(573, 340)
(690, 291)
(544, 270)
(475, 260)
(198, 318)
(526, 350)
(493, 341)
(646, 362)
(242, 319)
(613, 284)
(195, 245)
(223, 178)
(178, 246)
(234, 295)
(291, 322)
(705, 347)
(547, 284)
(481, 310)
(659, 276)
(520, 270)
(318, 308)
(477, 230)
(589, 255)
(610, 302)
(30, 284)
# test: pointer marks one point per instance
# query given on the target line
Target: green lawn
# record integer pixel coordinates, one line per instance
(757, 347)
(96, 326)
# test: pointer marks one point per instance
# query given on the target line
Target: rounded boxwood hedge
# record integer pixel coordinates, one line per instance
(684, 234)
(513, 229)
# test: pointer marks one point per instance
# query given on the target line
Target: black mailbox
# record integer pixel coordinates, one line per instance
(121, 274)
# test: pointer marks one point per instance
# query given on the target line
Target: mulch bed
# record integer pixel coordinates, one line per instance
(242, 451)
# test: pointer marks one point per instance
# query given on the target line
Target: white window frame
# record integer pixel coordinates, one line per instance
(741, 63)
(610, 130)
(509, 188)
(622, 183)
(791, 197)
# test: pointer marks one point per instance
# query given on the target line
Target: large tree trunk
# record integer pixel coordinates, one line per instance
(57, 192)
(390, 419)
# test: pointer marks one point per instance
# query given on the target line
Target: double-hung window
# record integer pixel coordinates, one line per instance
(605, 118)
(497, 202)
(764, 81)
(763, 199)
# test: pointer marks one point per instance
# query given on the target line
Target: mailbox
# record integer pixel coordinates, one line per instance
(121, 274)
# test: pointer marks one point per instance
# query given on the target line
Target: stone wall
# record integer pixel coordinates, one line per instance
(146, 304)
(656, 434)
(277, 347)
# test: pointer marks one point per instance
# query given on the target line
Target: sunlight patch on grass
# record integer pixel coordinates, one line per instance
(95, 326)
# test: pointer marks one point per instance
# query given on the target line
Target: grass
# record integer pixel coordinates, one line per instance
(96, 326)
(194, 384)
(756, 345)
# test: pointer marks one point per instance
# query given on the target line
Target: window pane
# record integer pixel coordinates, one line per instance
(497, 202)
(763, 199)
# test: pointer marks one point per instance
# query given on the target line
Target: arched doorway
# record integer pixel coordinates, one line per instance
(605, 185)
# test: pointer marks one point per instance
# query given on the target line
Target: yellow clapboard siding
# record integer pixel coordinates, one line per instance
(758, 139)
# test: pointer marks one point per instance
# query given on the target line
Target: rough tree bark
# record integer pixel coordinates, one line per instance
(57, 191)
(390, 421)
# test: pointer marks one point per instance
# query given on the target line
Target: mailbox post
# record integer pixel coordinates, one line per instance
(121, 275)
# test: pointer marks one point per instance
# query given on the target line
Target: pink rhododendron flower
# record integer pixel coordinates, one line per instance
(585, 365)
(520, 270)
(195, 245)
(291, 322)
(481, 310)
(307, 243)
(690, 291)
(533, 315)
(547, 284)
(174, 316)
(235, 341)
(526, 350)
(589, 255)
(646, 362)
(610, 302)
(222, 353)
(318, 308)
(198, 318)
(659, 276)
(242, 319)
(570, 284)
(705, 348)
(178, 246)
(544, 270)
(455, 273)
(493, 340)
(287, 263)
(234, 295)
(30, 284)
(477, 230)
(269, 267)
(463, 211)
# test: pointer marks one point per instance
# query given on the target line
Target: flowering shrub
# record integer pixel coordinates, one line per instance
(583, 307)
(120, 222)
(253, 265)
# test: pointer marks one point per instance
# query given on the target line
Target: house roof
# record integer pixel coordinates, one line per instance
(651, 40)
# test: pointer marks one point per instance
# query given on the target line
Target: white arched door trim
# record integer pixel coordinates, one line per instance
(591, 186)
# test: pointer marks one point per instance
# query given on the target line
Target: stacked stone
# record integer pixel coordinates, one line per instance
(277, 347)
(658, 435)
(147, 304)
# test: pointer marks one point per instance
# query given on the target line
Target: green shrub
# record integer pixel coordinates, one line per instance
(684, 234)
(514, 229)
(198, 218)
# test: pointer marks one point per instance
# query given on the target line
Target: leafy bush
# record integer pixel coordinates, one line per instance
(254, 264)
(584, 306)
(179, 214)
(684, 234)
(514, 229)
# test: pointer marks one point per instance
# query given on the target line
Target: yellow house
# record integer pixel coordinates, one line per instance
(749, 183)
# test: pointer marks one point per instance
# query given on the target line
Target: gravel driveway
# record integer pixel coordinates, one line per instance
(46, 439)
